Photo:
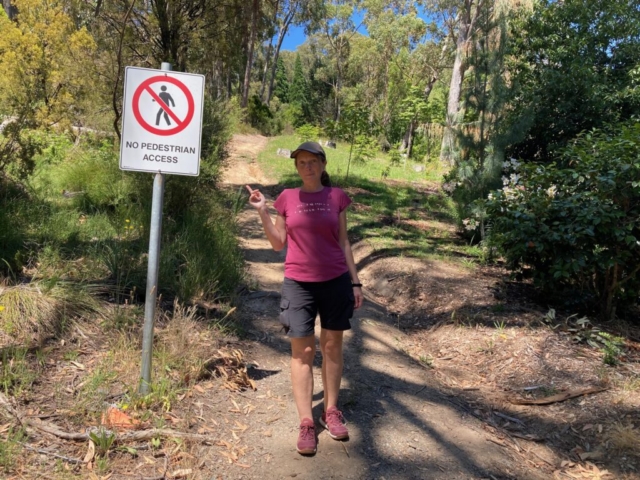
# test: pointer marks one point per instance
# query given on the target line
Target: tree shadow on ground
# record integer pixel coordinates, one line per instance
(377, 401)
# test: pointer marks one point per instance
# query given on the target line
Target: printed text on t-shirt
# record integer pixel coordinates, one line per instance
(312, 207)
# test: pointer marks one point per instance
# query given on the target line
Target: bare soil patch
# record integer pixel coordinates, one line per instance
(488, 344)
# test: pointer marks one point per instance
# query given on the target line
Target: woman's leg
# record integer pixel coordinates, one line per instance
(303, 351)
(332, 363)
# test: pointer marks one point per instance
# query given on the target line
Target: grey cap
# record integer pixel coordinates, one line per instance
(311, 147)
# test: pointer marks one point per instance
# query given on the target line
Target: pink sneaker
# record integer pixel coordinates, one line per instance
(307, 437)
(334, 422)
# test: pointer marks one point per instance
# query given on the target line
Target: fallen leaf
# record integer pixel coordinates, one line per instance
(77, 365)
(184, 472)
(91, 452)
(198, 388)
(241, 426)
(116, 418)
(182, 455)
(222, 443)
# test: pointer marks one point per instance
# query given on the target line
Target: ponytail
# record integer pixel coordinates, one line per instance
(324, 179)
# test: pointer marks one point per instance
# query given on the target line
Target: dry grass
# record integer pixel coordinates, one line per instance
(624, 439)
(183, 345)
(33, 312)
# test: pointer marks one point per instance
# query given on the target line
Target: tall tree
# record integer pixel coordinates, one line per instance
(339, 29)
(281, 89)
(255, 15)
(393, 27)
(299, 93)
(290, 10)
(462, 30)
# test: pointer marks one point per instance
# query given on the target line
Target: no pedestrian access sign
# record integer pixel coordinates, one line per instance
(161, 121)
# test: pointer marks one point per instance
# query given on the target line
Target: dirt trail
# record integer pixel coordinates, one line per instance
(402, 425)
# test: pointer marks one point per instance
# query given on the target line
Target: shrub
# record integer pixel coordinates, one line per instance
(307, 133)
(201, 258)
(575, 223)
(261, 117)
(32, 312)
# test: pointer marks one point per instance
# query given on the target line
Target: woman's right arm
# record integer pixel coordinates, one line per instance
(276, 232)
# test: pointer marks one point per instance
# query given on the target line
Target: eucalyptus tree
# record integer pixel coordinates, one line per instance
(251, 41)
(288, 13)
(338, 29)
(396, 31)
(459, 18)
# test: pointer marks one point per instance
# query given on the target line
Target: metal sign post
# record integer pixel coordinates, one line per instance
(152, 275)
(161, 134)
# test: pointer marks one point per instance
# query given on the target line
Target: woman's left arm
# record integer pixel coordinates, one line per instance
(348, 254)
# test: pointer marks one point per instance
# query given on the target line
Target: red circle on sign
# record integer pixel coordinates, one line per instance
(181, 124)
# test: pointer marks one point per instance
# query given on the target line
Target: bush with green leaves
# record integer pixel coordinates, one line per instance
(260, 116)
(308, 133)
(574, 223)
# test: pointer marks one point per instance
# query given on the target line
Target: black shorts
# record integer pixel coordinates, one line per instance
(302, 301)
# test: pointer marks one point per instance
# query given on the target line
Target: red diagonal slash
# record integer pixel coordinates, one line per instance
(164, 106)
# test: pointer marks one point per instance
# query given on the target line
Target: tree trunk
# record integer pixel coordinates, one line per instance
(411, 131)
(466, 23)
(408, 137)
(274, 67)
(252, 40)
(10, 9)
(268, 56)
(265, 72)
(453, 105)
(407, 140)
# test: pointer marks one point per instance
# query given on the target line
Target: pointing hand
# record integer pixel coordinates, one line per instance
(256, 198)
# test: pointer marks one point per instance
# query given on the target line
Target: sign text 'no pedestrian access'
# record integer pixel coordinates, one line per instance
(161, 121)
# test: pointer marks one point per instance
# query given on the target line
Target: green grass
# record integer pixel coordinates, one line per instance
(10, 449)
(404, 214)
(16, 372)
(99, 232)
(337, 162)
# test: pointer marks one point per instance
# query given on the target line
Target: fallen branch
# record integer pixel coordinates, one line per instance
(32, 423)
(561, 397)
(122, 437)
(531, 438)
(507, 417)
(52, 454)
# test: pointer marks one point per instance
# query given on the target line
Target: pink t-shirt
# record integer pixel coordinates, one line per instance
(312, 219)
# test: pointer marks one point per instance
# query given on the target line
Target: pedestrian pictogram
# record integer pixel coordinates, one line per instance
(161, 121)
(154, 91)
(168, 102)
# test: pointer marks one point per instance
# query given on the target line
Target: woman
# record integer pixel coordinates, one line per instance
(320, 277)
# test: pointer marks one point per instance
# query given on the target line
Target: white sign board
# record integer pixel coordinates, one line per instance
(161, 121)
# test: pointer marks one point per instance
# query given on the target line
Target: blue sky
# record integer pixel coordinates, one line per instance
(296, 37)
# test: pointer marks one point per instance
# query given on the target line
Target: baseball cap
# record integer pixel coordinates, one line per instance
(311, 147)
